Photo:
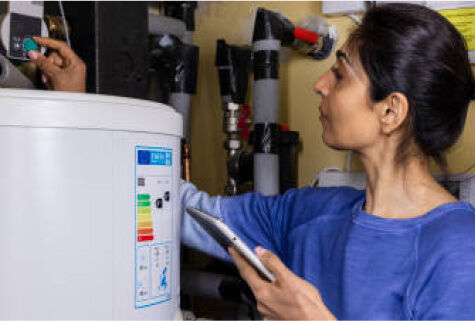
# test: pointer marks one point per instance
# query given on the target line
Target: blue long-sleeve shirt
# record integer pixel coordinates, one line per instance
(364, 266)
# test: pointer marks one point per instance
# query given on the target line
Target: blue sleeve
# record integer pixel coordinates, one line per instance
(446, 289)
(192, 234)
(256, 219)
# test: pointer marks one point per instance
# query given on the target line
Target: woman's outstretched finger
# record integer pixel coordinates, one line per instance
(64, 50)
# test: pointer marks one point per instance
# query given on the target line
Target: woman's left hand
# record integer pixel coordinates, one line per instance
(289, 297)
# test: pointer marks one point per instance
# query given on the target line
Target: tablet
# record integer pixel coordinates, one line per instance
(225, 237)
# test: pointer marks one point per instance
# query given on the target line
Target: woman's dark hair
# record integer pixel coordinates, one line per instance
(414, 50)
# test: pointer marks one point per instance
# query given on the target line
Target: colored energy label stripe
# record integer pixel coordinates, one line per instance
(144, 238)
(144, 218)
(144, 224)
(143, 197)
(144, 210)
(145, 231)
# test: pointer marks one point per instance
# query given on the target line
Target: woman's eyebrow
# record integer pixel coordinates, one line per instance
(342, 55)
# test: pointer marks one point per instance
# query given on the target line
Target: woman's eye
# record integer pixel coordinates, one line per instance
(337, 74)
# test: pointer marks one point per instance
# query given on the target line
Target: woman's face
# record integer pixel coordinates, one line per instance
(347, 115)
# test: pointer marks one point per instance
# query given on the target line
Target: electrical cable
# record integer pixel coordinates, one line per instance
(65, 24)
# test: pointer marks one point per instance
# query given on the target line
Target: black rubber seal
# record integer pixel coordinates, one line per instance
(266, 138)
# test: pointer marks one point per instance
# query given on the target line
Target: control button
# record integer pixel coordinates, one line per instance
(166, 196)
(159, 203)
(29, 45)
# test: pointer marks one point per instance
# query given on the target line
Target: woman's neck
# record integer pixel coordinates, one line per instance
(404, 191)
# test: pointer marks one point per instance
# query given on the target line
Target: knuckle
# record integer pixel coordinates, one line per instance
(272, 259)
(268, 259)
(265, 257)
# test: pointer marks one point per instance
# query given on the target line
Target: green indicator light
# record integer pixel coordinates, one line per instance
(29, 45)
(143, 204)
(143, 197)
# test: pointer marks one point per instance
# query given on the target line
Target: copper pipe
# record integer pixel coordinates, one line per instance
(186, 162)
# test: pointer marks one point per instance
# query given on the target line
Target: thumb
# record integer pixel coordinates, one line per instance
(45, 65)
(272, 262)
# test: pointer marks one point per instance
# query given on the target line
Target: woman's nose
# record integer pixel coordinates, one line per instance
(322, 85)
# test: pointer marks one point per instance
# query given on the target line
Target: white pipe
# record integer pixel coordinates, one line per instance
(11, 77)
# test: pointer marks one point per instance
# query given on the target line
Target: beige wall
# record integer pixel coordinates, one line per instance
(233, 21)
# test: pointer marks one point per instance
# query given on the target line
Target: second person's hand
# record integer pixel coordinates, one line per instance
(62, 70)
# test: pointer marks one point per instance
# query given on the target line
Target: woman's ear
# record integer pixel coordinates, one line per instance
(393, 112)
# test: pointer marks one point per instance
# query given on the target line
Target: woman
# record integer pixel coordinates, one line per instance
(402, 249)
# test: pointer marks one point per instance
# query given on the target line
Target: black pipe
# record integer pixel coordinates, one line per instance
(182, 10)
(241, 166)
(288, 159)
(180, 58)
(234, 64)
(271, 25)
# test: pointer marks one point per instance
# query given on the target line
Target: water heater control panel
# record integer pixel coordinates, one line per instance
(20, 21)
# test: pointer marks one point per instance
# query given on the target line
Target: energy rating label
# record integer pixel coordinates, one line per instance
(153, 225)
(144, 218)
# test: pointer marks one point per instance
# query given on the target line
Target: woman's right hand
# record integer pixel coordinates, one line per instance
(62, 70)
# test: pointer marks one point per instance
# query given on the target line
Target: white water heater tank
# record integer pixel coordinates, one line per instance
(89, 207)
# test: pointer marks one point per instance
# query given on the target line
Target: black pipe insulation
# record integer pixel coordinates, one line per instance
(273, 25)
(181, 59)
(233, 64)
(288, 159)
(182, 10)
(241, 166)
(270, 25)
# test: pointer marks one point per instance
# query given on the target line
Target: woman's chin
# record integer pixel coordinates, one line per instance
(326, 140)
(331, 143)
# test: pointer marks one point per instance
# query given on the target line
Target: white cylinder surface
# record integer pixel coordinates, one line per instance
(89, 207)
